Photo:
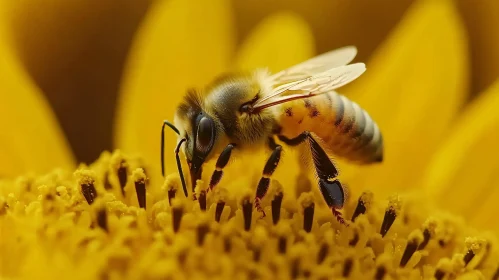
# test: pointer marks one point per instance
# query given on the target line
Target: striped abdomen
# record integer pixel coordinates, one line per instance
(345, 128)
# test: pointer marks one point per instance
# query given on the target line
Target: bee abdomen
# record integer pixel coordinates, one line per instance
(345, 128)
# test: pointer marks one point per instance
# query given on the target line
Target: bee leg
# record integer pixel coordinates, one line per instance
(222, 161)
(326, 171)
(268, 170)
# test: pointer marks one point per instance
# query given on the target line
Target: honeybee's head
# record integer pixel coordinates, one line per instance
(201, 131)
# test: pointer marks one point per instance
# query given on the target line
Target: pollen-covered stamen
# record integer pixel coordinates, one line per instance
(177, 213)
(139, 178)
(475, 246)
(426, 239)
(380, 273)
(347, 267)
(107, 184)
(444, 267)
(276, 207)
(202, 200)
(390, 215)
(383, 266)
(307, 203)
(202, 231)
(355, 239)
(86, 180)
(218, 210)
(247, 208)
(364, 201)
(121, 167)
(412, 245)
(323, 251)
(102, 218)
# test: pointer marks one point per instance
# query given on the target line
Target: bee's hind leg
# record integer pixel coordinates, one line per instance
(222, 161)
(329, 185)
(268, 170)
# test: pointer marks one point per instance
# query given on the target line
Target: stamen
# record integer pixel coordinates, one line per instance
(295, 268)
(171, 185)
(475, 246)
(355, 239)
(276, 207)
(177, 213)
(202, 200)
(439, 274)
(86, 180)
(380, 273)
(107, 183)
(390, 215)
(323, 251)
(307, 203)
(227, 244)
(139, 178)
(347, 267)
(219, 210)
(123, 175)
(414, 239)
(364, 201)
(247, 213)
(102, 219)
(202, 231)
(282, 245)
(426, 239)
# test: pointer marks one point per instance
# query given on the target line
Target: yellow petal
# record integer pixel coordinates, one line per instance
(463, 177)
(279, 41)
(414, 86)
(30, 137)
(482, 19)
(182, 44)
(75, 51)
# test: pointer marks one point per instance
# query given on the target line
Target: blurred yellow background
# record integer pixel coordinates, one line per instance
(112, 70)
(75, 50)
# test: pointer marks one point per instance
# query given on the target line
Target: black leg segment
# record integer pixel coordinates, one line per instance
(268, 170)
(330, 187)
(222, 161)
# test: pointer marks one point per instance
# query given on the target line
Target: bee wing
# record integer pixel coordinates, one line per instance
(315, 85)
(318, 64)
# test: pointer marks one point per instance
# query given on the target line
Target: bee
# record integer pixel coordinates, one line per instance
(297, 106)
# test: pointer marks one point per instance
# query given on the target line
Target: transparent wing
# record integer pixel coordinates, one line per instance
(315, 85)
(315, 65)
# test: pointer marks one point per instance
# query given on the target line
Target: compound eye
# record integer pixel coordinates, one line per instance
(205, 135)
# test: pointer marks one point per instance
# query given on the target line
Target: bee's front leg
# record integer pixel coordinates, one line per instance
(222, 161)
(268, 170)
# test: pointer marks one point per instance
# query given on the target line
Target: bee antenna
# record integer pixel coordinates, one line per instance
(179, 165)
(170, 125)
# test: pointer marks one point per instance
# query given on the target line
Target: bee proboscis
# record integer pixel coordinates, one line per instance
(297, 106)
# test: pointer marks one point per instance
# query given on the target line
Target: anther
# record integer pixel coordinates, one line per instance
(282, 245)
(426, 239)
(202, 231)
(355, 239)
(247, 213)
(123, 175)
(140, 186)
(496, 275)
(439, 274)
(102, 219)
(219, 210)
(295, 268)
(307, 202)
(408, 252)
(347, 267)
(107, 183)
(323, 251)
(177, 213)
(390, 215)
(468, 257)
(86, 181)
(171, 195)
(257, 254)
(380, 273)
(276, 207)
(227, 245)
(202, 200)
(364, 201)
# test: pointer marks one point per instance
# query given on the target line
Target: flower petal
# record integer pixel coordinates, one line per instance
(481, 19)
(181, 44)
(463, 176)
(414, 86)
(30, 137)
(74, 51)
(279, 41)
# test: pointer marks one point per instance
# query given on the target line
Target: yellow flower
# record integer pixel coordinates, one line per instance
(116, 219)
